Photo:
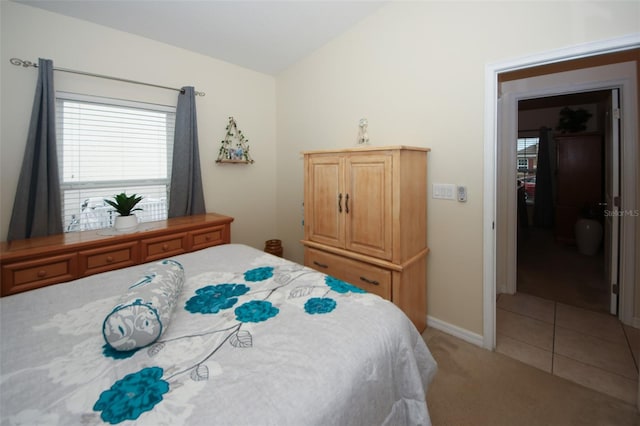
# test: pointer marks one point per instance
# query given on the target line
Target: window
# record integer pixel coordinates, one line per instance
(527, 153)
(523, 163)
(108, 146)
(527, 149)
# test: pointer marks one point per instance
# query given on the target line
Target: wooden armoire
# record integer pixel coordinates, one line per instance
(579, 180)
(365, 221)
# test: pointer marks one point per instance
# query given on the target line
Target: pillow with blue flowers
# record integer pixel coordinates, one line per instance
(144, 312)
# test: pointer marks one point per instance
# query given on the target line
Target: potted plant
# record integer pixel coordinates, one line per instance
(125, 205)
(573, 121)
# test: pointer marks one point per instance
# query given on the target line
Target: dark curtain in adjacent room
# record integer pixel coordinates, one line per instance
(543, 209)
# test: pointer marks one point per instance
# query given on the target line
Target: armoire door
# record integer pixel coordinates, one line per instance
(324, 200)
(368, 204)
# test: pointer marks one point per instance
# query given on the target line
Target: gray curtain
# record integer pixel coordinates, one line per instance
(186, 195)
(37, 206)
(543, 208)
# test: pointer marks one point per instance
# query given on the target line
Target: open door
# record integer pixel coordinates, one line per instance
(611, 201)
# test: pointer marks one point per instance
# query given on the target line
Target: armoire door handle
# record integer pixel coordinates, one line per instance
(346, 203)
(340, 202)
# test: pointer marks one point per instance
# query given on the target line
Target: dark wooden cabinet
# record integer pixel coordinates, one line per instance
(579, 180)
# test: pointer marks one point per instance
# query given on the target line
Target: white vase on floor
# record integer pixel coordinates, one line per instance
(126, 223)
(588, 236)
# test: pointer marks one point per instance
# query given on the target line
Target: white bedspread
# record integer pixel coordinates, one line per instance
(296, 348)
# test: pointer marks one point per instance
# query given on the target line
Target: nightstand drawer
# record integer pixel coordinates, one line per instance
(162, 247)
(30, 274)
(106, 259)
(207, 237)
(368, 277)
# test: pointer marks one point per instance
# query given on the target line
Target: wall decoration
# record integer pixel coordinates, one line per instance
(363, 135)
(235, 147)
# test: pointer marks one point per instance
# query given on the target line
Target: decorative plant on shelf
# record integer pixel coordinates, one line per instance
(234, 151)
(125, 205)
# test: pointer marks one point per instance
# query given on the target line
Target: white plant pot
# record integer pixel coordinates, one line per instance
(126, 223)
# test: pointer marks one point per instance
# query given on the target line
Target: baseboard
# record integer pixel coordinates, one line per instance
(454, 330)
(635, 322)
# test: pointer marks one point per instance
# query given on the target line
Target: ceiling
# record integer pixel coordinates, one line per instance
(266, 36)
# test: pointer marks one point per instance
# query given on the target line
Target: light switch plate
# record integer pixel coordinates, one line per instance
(445, 191)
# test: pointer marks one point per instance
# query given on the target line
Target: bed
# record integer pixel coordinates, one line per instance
(318, 351)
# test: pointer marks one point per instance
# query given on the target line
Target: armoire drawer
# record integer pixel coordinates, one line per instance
(368, 277)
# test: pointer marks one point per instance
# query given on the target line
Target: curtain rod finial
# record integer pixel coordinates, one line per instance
(20, 62)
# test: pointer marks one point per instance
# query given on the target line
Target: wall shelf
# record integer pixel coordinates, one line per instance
(235, 147)
(235, 161)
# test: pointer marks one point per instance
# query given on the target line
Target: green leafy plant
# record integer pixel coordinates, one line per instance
(573, 120)
(125, 205)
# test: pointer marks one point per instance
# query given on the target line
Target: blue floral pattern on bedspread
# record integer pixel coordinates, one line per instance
(108, 351)
(213, 298)
(340, 286)
(256, 311)
(259, 274)
(156, 383)
(132, 395)
(319, 305)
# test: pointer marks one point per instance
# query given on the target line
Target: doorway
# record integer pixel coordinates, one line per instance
(498, 254)
(553, 261)
(556, 327)
(597, 78)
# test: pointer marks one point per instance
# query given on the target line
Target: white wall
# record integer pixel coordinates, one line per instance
(416, 71)
(246, 192)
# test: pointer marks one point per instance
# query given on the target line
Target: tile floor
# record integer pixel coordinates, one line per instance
(587, 347)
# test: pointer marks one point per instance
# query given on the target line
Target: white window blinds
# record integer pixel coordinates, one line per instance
(108, 146)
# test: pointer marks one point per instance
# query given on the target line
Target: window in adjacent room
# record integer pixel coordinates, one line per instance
(108, 146)
(523, 163)
(527, 152)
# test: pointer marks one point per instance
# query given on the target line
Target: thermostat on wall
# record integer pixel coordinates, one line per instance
(462, 193)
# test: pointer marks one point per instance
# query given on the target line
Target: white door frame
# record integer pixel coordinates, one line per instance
(604, 77)
(611, 194)
(490, 170)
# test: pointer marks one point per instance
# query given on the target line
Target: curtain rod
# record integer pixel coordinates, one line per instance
(27, 64)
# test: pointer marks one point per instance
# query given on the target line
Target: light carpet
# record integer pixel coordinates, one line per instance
(478, 387)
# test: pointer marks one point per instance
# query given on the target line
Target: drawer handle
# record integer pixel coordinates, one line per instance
(366, 280)
(321, 265)
(165, 247)
(42, 273)
(109, 259)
